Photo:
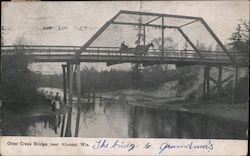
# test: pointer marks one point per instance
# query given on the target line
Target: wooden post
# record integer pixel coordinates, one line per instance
(208, 84)
(64, 97)
(162, 37)
(219, 80)
(64, 84)
(70, 87)
(93, 97)
(78, 86)
(71, 84)
(63, 124)
(100, 101)
(78, 121)
(204, 83)
(235, 80)
(88, 98)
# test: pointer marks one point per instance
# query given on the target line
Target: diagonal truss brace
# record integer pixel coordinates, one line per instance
(217, 39)
(190, 42)
(95, 35)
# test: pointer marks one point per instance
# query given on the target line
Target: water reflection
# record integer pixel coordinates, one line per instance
(156, 123)
(118, 118)
(46, 125)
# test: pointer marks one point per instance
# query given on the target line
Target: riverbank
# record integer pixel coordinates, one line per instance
(237, 112)
(213, 108)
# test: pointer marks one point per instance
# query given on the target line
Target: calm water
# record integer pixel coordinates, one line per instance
(119, 118)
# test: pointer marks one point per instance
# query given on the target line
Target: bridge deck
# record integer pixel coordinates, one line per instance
(114, 55)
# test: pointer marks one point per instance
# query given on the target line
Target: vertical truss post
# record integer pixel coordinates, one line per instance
(162, 36)
(144, 35)
(78, 86)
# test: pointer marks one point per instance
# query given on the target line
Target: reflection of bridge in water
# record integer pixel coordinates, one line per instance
(143, 27)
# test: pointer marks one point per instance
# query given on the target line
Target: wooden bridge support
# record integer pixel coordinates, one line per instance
(208, 91)
(206, 83)
(78, 86)
(70, 95)
(64, 67)
(219, 85)
(68, 78)
(235, 81)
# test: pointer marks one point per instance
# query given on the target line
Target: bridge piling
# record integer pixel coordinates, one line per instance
(235, 81)
(70, 96)
(219, 88)
(78, 85)
(64, 97)
(206, 83)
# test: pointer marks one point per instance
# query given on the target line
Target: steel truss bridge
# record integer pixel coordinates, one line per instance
(97, 49)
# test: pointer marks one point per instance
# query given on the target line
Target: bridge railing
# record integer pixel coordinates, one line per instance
(115, 51)
(41, 50)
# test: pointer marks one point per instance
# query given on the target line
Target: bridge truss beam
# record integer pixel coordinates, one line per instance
(163, 25)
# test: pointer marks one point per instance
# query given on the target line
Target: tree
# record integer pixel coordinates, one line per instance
(200, 46)
(240, 38)
(136, 75)
(240, 43)
(168, 46)
(19, 83)
(169, 43)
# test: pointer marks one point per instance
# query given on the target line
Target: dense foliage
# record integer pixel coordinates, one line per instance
(146, 78)
(19, 83)
(239, 42)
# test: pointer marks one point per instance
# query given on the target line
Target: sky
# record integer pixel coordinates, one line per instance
(83, 19)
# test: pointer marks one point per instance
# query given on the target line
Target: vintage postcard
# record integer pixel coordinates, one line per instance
(124, 78)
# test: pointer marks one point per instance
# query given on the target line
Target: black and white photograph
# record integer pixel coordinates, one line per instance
(125, 69)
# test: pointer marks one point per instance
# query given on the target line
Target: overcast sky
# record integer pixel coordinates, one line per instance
(83, 19)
